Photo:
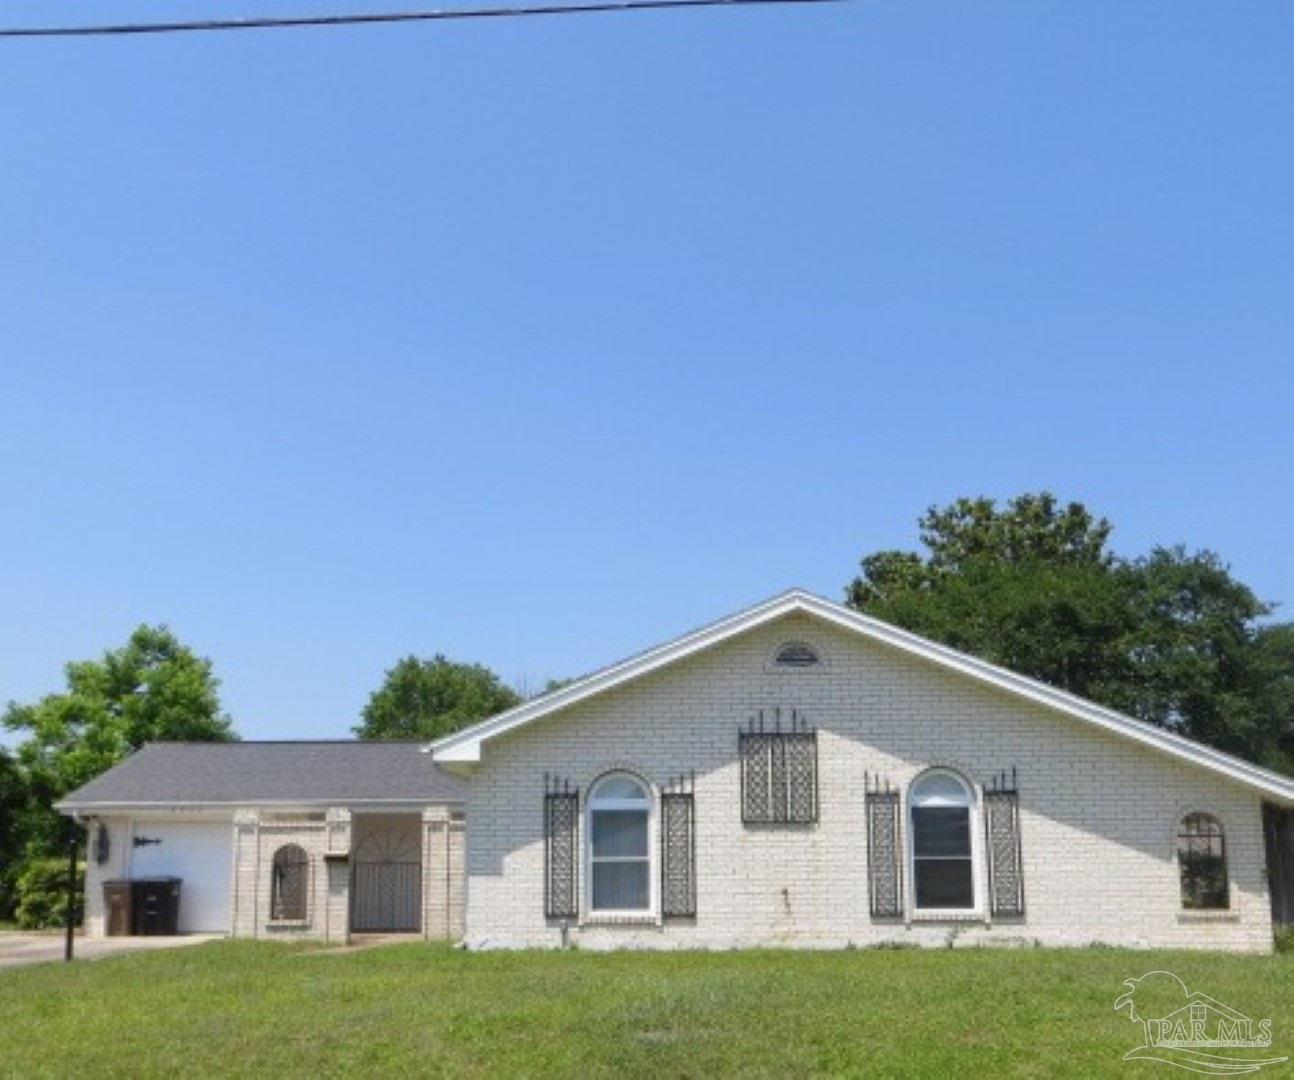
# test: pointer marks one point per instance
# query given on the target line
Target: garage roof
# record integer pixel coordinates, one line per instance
(341, 773)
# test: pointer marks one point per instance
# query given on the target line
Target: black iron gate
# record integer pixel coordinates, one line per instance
(386, 879)
(386, 897)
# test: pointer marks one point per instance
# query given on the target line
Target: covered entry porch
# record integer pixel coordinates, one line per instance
(345, 871)
(406, 872)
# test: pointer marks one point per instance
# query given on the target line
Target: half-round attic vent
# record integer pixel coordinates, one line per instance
(796, 654)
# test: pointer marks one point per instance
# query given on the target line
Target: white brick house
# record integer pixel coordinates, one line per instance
(795, 774)
(922, 796)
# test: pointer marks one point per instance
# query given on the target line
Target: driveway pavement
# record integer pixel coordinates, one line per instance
(18, 948)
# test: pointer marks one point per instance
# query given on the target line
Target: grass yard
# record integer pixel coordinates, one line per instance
(247, 1008)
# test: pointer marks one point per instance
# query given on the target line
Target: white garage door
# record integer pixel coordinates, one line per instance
(197, 853)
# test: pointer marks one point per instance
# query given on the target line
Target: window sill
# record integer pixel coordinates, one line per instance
(612, 919)
(947, 915)
(1223, 915)
(288, 924)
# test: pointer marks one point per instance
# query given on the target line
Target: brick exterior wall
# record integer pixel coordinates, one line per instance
(255, 842)
(1099, 814)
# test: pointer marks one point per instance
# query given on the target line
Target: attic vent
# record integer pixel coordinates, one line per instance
(796, 654)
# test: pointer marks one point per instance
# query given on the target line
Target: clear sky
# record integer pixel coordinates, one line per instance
(536, 343)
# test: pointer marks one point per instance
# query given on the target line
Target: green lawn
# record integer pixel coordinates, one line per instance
(243, 1008)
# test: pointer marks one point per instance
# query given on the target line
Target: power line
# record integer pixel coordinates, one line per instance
(270, 22)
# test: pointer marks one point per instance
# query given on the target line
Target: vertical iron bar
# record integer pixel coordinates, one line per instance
(72, 846)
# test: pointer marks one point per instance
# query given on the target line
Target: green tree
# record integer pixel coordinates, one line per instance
(152, 688)
(424, 699)
(1272, 687)
(14, 803)
(1031, 587)
(1171, 638)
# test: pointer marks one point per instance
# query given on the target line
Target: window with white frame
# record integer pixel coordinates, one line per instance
(619, 819)
(943, 875)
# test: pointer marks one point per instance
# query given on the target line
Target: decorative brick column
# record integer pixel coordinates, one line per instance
(246, 898)
(443, 870)
(337, 870)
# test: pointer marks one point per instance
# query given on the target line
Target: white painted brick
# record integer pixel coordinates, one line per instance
(1098, 813)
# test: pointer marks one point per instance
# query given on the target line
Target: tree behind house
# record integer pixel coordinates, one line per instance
(152, 688)
(425, 699)
(1172, 638)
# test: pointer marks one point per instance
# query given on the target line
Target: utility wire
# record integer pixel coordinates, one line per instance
(270, 22)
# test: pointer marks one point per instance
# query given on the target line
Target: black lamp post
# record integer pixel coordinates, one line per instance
(73, 845)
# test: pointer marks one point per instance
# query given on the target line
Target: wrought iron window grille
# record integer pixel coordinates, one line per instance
(779, 771)
(561, 848)
(1002, 845)
(1202, 858)
(884, 846)
(678, 848)
(289, 885)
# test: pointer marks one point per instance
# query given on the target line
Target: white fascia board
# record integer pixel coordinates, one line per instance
(464, 747)
(101, 807)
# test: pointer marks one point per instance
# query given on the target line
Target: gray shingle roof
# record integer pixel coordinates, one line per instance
(250, 773)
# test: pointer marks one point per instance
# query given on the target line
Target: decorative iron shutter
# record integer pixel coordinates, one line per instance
(800, 761)
(756, 781)
(884, 849)
(779, 772)
(561, 839)
(1002, 836)
(677, 853)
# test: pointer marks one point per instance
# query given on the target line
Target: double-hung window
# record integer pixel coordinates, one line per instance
(620, 877)
(942, 843)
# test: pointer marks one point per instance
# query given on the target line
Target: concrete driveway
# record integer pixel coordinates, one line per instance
(18, 948)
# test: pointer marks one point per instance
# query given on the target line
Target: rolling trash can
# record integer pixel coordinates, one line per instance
(156, 903)
(118, 910)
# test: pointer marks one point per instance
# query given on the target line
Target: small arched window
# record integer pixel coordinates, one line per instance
(1202, 859)
(619, 851)
(942, 853)
(796, 654)
(288, 887)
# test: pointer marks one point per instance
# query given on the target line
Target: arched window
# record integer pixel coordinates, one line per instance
(795, 654)
(1202, 858)
(943, 873)
(288, 886)
(619, 850)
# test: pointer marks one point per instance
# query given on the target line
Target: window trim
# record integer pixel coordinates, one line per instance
(593, 804)
(1202, 912)
(976, 826)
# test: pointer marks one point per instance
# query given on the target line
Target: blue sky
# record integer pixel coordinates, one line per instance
(538, 342)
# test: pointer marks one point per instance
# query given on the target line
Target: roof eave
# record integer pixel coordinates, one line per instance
(102, 806)
(464, 747)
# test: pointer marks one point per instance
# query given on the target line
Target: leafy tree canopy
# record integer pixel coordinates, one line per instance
(14, 806)
(425, 699)
(1171, 638)
(152, 688)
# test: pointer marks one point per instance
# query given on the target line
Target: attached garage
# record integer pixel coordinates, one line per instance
(278, 840)
(200, 854)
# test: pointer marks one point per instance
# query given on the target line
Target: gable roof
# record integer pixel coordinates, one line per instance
(465, 746)
(191, 774)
